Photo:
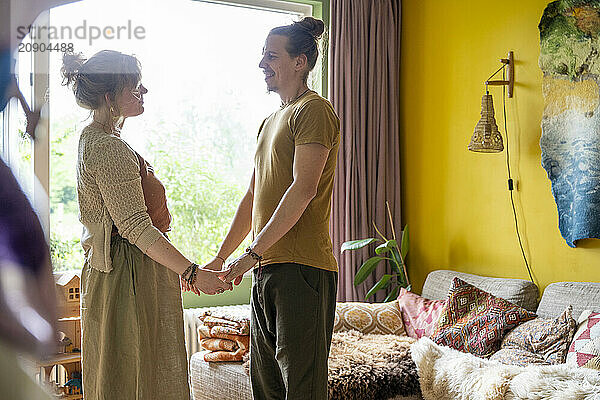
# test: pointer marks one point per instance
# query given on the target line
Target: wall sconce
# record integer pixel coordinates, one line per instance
(486, 137)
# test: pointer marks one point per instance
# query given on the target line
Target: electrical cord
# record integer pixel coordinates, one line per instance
(510, 181)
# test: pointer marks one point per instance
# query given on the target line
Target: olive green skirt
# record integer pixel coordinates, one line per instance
(133, 345)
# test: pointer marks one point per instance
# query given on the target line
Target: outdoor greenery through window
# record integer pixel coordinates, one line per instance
(206, 100)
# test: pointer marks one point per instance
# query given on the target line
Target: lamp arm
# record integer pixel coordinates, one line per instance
(510, 82)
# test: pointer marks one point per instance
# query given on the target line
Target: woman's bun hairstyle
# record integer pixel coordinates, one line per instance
(107, 72)
(72, 63)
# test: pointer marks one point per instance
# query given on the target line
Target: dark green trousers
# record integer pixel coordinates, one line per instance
(293, 308)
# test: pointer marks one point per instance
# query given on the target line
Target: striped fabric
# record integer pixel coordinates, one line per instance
(192, 322)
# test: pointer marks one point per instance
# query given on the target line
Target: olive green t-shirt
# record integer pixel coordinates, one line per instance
(308, 119)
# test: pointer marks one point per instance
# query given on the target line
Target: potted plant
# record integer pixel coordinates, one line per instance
(388, 250)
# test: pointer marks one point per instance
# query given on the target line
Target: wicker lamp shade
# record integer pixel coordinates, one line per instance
(486, 137)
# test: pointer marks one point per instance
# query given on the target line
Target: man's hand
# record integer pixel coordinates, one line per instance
(216, 264)
(207, 281)
(237, 268)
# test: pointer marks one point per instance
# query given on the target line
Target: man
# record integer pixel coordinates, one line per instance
(287, 207)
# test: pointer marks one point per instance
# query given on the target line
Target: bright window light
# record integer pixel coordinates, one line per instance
(206, 100)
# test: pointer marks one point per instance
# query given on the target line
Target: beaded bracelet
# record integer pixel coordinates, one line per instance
(252, 254)
(183, 275)
(191, 279)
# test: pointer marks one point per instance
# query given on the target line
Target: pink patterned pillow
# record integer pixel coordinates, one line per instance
(585, 348)
(420, 315)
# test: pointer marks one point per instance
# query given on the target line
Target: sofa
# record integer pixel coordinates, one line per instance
(212, 381)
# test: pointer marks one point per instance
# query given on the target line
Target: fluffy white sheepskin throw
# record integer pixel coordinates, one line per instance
(445, 373)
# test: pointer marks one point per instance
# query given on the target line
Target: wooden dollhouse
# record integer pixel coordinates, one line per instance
(66, 364)
(68, 302)
(67, 294)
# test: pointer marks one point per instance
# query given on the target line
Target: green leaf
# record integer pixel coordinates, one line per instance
(357, 244)
(366, 269)
(382, 249)
(397, 262)
(393, 294)
(385, 247)
(382, 284)
(404, 242)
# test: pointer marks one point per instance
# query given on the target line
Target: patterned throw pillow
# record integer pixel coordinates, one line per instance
(382, 318)
(474, 321)
(420, 315)
(585, 349)
(539, 341)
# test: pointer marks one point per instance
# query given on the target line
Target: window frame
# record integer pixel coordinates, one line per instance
(39, 84)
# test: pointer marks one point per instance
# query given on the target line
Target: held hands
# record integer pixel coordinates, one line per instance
(236, 269)
(207, 280)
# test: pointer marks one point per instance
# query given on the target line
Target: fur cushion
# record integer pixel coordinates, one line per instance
(366, 367)
(383, 318)
(420, 315)
(475, 321)
(445, 373)
(585, 349)
(539, 341)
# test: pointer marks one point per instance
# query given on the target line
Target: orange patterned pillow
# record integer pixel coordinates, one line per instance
(474, 321)
(381, 318)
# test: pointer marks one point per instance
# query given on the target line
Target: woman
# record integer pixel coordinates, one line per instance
(132, 317)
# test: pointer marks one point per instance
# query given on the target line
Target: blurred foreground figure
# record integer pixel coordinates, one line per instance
(27, 294)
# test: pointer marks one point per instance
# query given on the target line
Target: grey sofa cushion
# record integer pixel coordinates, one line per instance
(581, 295)
(212, 381)
(518, 291)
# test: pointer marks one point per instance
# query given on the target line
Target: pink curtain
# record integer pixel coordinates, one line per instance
(364, 89)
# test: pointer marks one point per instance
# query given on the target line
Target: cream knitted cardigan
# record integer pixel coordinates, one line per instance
(109, 190)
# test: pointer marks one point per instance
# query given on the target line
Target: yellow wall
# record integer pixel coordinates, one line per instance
(456, 202)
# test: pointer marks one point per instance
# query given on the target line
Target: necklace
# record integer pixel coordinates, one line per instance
(283, 105)
(106, 128)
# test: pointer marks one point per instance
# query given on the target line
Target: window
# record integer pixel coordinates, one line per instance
(16, 146)
(28, 159)
(206, 101)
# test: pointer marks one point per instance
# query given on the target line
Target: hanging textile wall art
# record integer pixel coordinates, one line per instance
(570, 142)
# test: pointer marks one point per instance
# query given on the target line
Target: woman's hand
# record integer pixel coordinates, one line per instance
(237, 268)
(208, 281)
(186, 287)
(216, 264)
